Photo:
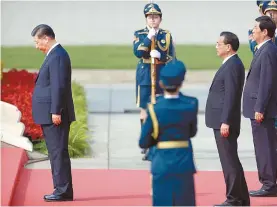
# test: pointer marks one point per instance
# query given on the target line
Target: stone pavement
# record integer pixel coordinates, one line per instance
(114, 124)
(115, 76)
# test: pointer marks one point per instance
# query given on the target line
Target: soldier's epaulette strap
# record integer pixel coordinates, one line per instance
(154, 119)
(144, 44)
(137, 33)
(141, 31)
(136, 36)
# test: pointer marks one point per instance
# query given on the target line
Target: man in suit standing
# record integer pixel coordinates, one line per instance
(53, 109)
(270, 9)
(223, 115)
(260, 105)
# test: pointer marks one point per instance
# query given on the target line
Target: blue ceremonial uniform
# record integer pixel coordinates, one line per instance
(252, 43)
(151, 151)
(142, 49)
(170, 124)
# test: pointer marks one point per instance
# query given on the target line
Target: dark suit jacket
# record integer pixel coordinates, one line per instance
(52, 93)
(224, 99)
(260, 91)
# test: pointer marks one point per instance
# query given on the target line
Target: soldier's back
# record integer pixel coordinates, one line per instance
(177, 123)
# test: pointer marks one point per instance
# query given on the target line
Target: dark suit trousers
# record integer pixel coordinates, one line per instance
(264, 138)
(236, 187)
(56, 138)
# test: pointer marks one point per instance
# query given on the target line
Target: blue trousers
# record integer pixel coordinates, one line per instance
(150, 153)
(173, 190)
(56, 138)
(143, 94)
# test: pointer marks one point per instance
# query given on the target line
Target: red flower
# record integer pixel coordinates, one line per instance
(17, 88)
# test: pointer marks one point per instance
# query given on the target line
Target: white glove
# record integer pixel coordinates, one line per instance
(152, 33)
(155, 54)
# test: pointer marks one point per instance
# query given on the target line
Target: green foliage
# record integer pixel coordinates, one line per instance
(196, 57)
(79, 134)
(78, 144)
(40, 146)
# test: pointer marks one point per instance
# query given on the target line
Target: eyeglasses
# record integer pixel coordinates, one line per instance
(220, 44)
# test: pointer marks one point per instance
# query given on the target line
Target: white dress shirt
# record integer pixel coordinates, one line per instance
(168, 96)
(227, 58)
(53, 46)
(261, 44)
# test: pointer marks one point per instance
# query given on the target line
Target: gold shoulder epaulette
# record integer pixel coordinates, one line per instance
(141, 31)
(165, 31)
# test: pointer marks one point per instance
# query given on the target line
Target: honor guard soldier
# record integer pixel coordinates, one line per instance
(169, 125)
(154, 48)
(252, 43)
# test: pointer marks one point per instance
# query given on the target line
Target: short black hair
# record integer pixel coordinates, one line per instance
(42, 30)
(267, 23)
(230, 38)
(172, 89)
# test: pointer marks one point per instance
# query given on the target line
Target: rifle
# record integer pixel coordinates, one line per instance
(153, 74)
(153, 71)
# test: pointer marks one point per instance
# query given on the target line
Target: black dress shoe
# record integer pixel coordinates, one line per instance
(226, 203)
(53, 198)
(263, 193)
(143, 151)
(144, 158)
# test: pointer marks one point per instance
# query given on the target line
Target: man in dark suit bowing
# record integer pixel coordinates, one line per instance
(223, 115)
(260, 104)
(53, 109)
